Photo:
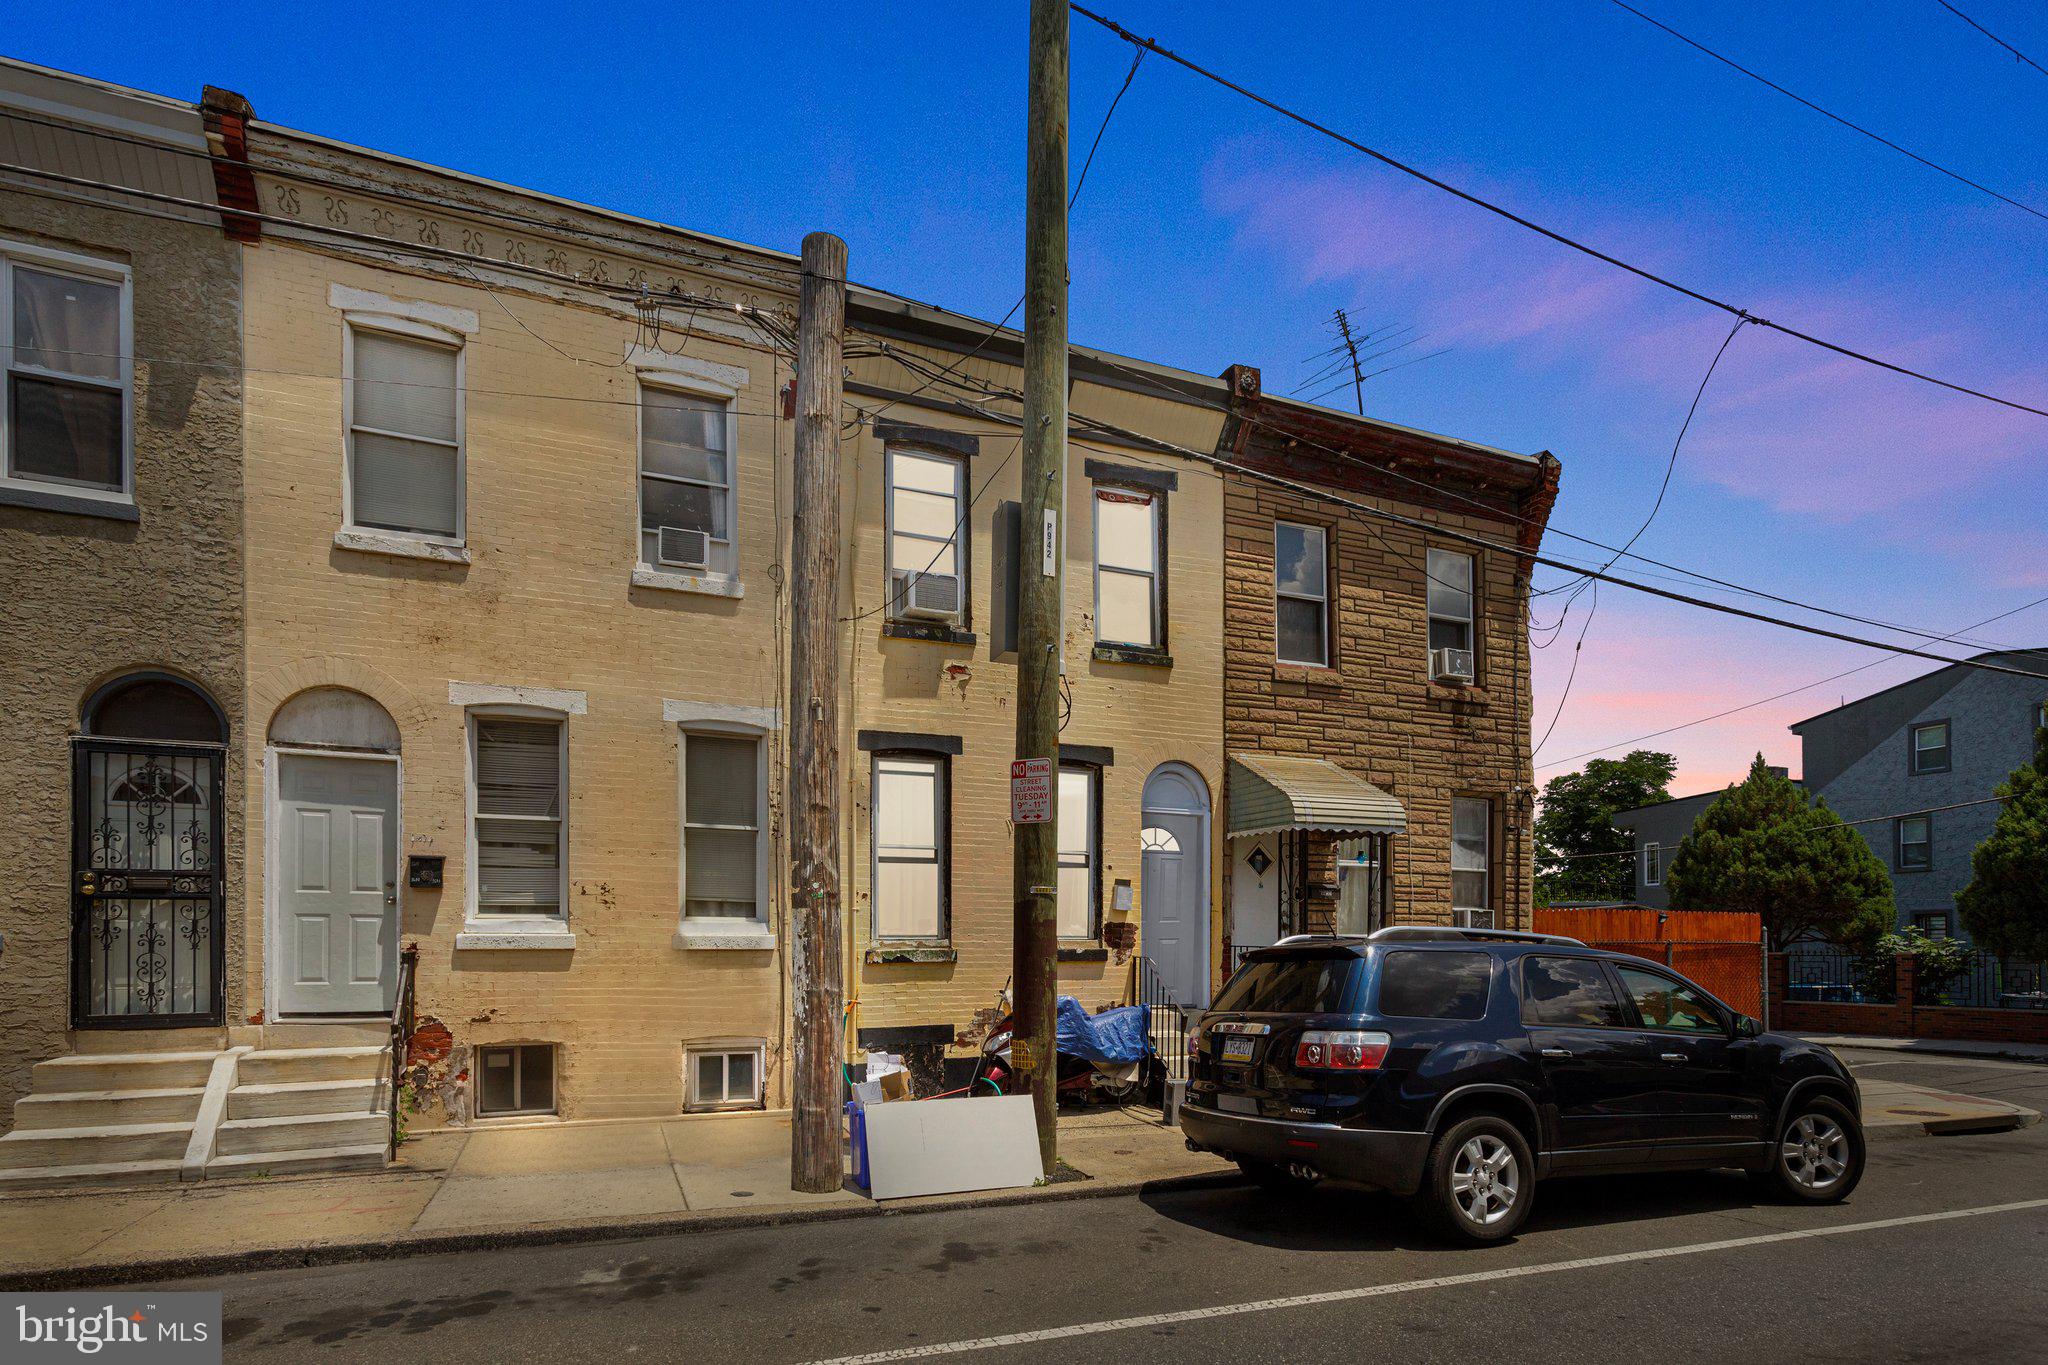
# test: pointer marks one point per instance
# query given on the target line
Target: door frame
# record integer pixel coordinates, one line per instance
(273, 864)
(1205, 862)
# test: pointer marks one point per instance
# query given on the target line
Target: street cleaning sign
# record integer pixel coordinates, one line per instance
(1031, 791)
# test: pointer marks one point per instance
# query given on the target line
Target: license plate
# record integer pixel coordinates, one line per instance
(1237, 1104)
(1237, 1048)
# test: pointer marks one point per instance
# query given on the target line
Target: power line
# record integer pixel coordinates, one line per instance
(1553, 234)
(1866, 820)
(1731, 63)
(2021, 56)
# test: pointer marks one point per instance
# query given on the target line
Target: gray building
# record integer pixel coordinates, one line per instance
(1918, 762)
(1657, 829)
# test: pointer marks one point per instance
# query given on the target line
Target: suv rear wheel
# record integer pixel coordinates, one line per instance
(1818, 1157)
(1479, 1181)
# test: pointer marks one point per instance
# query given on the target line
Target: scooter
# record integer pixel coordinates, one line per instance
(1078, 1078)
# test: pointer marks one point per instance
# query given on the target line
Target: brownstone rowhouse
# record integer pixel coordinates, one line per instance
(120, 575)
(1376, 675)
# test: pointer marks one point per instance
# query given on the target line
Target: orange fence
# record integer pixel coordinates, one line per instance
(1720, 949)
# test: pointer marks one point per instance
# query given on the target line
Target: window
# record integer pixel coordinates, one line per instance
(2041, 716)
(517, 817)
(721, 826)
(724, 1078)
(1664, 1003)
(1471, 857)
(404, 434)
(1569, 992)
(1934, 925)
(64, 322)
(1450, 613)
(1359, 892)
(686, 482)
(1653, 865)
(1915, 843)
(1127, 563)
(911, 873)
(516, 1080)
(1435, 985)
(927, 572)
(1930, 747)
(1301, 593)
(1079, 863)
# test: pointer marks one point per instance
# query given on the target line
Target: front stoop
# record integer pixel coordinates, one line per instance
(159, 1113)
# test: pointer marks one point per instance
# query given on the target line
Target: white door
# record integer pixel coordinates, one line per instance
(337, 900)
(1175, 882)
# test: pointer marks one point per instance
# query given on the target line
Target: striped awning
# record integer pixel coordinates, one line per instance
(1271, 792)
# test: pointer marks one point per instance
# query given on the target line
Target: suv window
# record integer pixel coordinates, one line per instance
(1435, 985)
(1666, 1004)
(1572, 992)
(1292, 985)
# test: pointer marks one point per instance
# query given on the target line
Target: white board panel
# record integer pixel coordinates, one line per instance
(947, 1146)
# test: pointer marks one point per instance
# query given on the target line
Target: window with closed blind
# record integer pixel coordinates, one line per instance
(909, 820)
(404, 434)
(1127, 597)
(722, 827)
(1079, 863)
(64, 340)
(686, 482)
(517, 815)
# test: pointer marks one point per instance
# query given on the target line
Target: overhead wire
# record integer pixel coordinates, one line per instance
(2017, 54)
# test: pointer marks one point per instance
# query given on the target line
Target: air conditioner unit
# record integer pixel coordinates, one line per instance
(678, 547)
(1472, 919)
(1451, 665)
(929, 596)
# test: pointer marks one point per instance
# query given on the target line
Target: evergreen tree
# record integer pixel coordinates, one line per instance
(1578, 849)
(1765, 848)
(2005, 906)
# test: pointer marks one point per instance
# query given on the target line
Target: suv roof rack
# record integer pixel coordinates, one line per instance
(1438, 933)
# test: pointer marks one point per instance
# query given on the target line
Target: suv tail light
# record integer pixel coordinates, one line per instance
(1332, 1050)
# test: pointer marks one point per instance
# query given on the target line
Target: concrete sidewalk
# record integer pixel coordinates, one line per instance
(463, 1190)
(1936, 1047)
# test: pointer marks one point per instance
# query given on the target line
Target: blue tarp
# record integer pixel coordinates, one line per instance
(1118, 1035)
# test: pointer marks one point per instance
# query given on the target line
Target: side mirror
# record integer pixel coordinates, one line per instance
(1746, 1027)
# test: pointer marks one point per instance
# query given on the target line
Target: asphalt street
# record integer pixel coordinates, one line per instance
(1938, 1255)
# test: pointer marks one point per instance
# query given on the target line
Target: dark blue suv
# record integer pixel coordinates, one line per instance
(1460, 1066)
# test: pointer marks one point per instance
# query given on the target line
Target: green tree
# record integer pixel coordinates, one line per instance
(1765, 848)
(2005, 906)
(1577, 845)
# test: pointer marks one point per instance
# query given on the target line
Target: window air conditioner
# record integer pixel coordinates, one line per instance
(929, 596)
(1452, 665)
(677, 547)
(1473, 919)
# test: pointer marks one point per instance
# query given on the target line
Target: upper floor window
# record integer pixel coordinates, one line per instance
(2041, 715)
(927, 498)
(1080, 860)
(687, 506)
(723, 848)
(1930, 747)
(1128, 525)
(1653, 865)
(1450, 615)
(908, 815)
(405, 457)
(65, 322)
(1471, 862)
(1915, 842)
(1301, 593)
(517, 799)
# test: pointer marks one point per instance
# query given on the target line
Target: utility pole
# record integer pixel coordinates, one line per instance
(1035, 937)
(817, 964)
(1351, 345)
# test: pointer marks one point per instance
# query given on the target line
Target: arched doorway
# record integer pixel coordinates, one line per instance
(332, 870)
(1174, 910)
(146, 853)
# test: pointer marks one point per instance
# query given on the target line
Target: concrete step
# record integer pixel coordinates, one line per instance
(335, 1033)
(122, 1071)
(281, 1066)
(300, 1132)
(103, 1108)
(306, 1097)
(26, 1147)
(92, 1173)
(360, 1157)
(102, 1042)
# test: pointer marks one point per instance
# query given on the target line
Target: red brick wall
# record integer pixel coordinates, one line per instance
(1903, 1019)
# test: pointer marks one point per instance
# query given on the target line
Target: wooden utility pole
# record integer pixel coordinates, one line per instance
(1351, 345)
(817, 970)
(1035, 943)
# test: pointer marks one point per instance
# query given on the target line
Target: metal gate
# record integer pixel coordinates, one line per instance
(146, 907)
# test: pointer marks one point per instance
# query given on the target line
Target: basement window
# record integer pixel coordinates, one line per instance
(724, 1077)
(515, 1080)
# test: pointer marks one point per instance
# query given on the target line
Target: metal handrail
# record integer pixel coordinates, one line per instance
(401, 1036)
(1167, 1015)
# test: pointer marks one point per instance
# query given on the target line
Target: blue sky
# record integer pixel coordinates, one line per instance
(1211, 233)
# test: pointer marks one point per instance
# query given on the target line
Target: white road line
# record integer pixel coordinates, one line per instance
(1374, 1291)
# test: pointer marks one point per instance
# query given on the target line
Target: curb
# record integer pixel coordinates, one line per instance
(1918, 1047)
(1952, 1127)
(571, 1234)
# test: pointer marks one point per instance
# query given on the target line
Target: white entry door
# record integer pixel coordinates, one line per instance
(337, 898)
(1174, 890)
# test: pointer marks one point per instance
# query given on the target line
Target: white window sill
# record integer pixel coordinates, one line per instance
(403, 547)
(726, 935)
(63, 497)
(704, 584)
(516, 937)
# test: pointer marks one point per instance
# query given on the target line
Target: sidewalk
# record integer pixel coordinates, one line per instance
(1936, 1047)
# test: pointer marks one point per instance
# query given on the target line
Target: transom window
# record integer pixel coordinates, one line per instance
(1931, 747)
(1127, 561)
(1471, 861)
(65, 418)
(721, 826)
(1301, 592)
(1915, 835)
(1080, 863)
(516, 1080)
(1450, 613)
(927, 491)
(725, 1077)
(517, 815)
(910, 867)
(405, 447)
(686, 482)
